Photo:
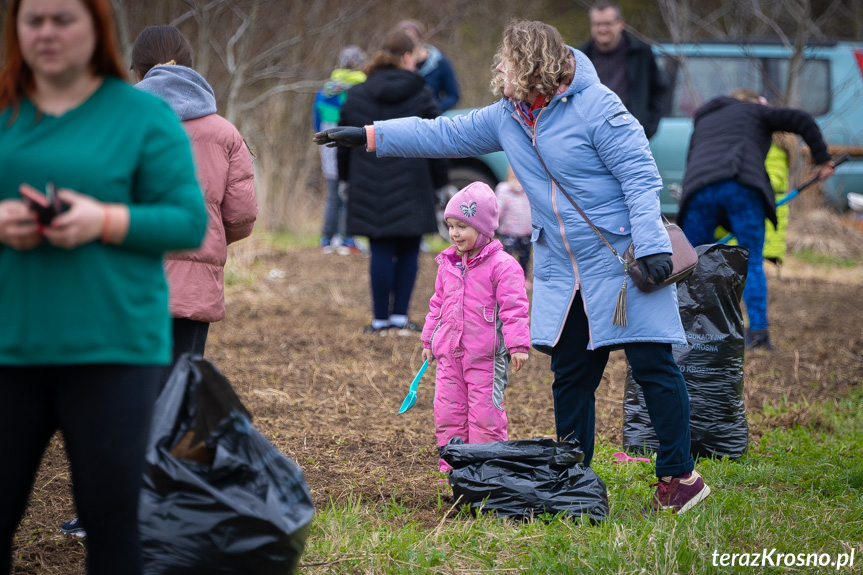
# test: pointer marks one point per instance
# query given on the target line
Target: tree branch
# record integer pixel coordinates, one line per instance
(772, 24)
(332, 24)
(294, 87)
(195, 12)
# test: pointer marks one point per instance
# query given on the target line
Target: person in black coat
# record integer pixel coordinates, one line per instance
(390, 200)
(726, 184)
(626, 65)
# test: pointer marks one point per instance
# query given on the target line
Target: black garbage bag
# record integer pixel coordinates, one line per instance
(217, 497)
(711, 362)
(525, 478)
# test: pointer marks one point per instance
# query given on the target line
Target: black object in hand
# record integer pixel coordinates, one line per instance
(656, 267)
(344, 136)
(46, 205)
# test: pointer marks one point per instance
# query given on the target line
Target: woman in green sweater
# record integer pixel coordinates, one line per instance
(83, 297)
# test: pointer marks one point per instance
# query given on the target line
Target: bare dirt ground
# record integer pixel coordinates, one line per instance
(327, 395)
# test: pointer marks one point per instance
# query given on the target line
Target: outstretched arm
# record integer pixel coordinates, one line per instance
(342, 136)
(443, 137)
(802, 123)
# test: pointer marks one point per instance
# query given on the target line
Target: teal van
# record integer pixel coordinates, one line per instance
(828, 83)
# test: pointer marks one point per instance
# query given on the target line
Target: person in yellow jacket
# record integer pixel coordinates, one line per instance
(778, 165)
(325, 114)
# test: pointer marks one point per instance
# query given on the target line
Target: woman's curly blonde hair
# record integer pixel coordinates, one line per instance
(540, 59)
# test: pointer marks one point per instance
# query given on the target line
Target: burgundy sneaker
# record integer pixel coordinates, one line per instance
(679, 493)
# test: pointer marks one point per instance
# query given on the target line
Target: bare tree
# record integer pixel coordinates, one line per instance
(206, 15)
(258, 59)
(266, 58)
(794, 23)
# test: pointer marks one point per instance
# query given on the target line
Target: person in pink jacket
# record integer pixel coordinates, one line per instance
(477, 323)
(515, 221)
(162, 62)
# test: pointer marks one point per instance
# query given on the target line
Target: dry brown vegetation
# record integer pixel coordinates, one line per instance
(327, 395)
(266, 58)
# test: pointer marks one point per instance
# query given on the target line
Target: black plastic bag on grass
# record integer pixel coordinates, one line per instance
(218, 497)
(525, 478)
(711, 362)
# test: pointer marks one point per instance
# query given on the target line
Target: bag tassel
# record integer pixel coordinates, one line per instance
(620, 308)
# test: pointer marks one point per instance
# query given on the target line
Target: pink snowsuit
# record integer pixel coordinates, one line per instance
(475, 321)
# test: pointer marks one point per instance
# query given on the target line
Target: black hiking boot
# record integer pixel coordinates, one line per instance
(758, 339)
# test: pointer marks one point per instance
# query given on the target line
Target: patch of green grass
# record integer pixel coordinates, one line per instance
(826, 260)
(436, 243)
(798, 490)
(243, 267)
(287, 241)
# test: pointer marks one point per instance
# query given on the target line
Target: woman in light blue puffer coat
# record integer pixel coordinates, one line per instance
(555, 113)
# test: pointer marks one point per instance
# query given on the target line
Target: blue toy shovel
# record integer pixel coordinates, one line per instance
(793, 193)
(411, 398)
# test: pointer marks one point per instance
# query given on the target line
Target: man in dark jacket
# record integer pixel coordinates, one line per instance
(726, 183)
(626, 65)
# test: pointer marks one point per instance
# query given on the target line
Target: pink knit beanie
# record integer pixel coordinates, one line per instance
(475, 205)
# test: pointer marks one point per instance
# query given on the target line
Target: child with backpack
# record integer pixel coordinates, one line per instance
(477, 323)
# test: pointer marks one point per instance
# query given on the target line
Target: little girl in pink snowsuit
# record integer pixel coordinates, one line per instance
(477, 323)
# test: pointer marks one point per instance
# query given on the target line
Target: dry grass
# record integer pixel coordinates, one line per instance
(327, 395)
(820, 231)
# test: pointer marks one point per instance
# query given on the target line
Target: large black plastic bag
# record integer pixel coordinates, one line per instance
(242, 508)
(525, 478)
(712, 362)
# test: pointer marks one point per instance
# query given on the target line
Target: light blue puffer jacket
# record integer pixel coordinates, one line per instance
(598, 152)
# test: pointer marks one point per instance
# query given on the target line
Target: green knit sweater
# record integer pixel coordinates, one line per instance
(98, 303)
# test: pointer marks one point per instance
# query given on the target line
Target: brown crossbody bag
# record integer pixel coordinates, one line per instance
(683, 257)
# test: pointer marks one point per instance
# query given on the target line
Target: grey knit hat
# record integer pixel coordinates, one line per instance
(352, 57)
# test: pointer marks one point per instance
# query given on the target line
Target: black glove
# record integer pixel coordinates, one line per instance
(656, 267)
(344, 136)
